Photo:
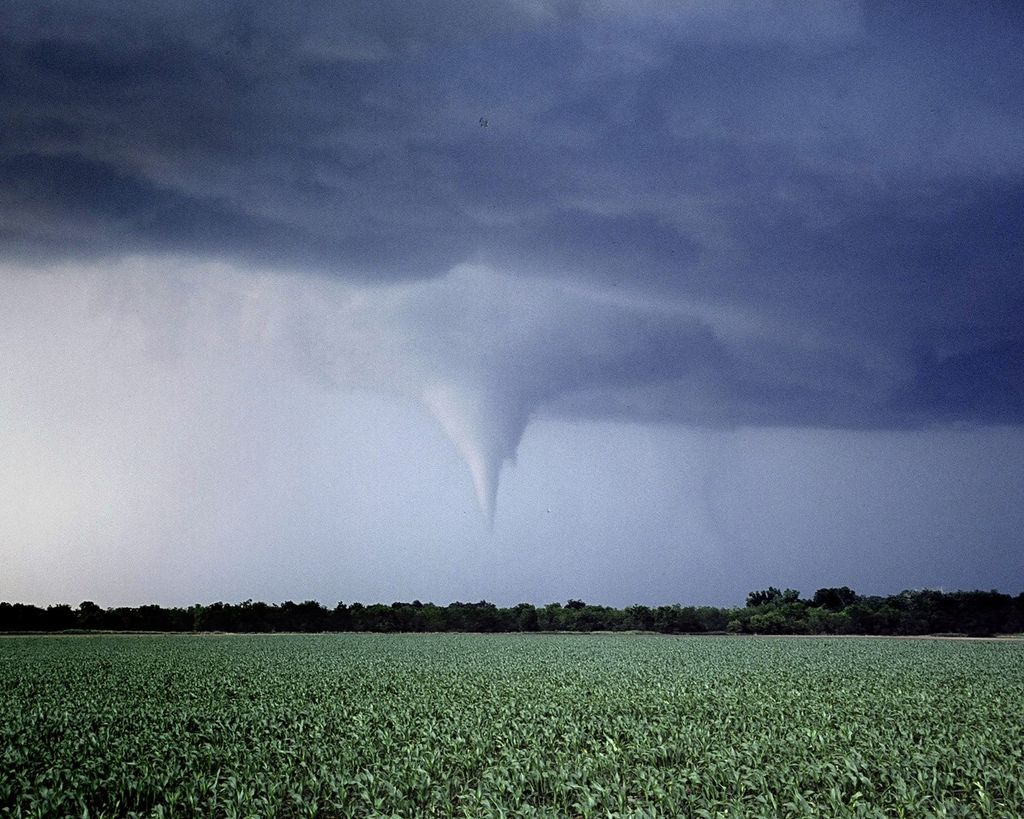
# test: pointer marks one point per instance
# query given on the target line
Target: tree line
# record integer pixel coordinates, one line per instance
(838, 610)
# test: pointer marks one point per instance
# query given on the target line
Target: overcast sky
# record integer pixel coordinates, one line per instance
(645, 302)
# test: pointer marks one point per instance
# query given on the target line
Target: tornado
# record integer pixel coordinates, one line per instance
(485, 423)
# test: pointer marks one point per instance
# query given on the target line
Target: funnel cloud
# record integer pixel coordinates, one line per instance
(485, 427)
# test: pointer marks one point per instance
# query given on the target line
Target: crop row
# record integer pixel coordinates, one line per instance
(513, 725)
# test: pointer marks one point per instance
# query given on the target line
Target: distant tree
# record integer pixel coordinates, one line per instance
(835, 599)
(887, 619)
(612, 619)
(688, 620)
(1015, 617)
(215, 617)
(155, 618)
(763, 597)
(771, 622)
(357, 617)
(675, 619)
(340, 620)
(551, 617)
(59, 617)
(712, 618)
(525, 617)
(250, 616)
(836, 610)
(404, 617)
(22, 617)
(591, 618)
(379, 617)
(640, 618)
(821, 620)
(486, 618)
(89, 615)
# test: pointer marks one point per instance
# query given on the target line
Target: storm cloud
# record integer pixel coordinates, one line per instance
(711, 215)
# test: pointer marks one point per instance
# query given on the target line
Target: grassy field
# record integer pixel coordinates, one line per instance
(521, 725)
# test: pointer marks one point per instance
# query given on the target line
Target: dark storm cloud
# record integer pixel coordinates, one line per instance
(826, 199)
(68, 204)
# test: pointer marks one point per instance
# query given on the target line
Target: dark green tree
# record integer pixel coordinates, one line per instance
(763, 597)
(835, 599)
(89, 615)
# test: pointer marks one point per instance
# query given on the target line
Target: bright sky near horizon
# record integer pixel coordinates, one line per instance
(519, 301)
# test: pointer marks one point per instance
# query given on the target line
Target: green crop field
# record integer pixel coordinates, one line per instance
(511, 725)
